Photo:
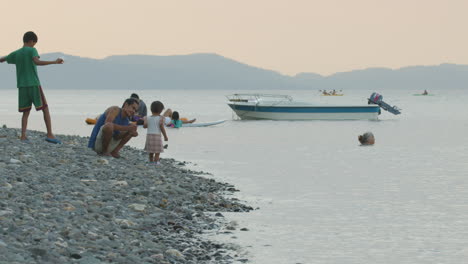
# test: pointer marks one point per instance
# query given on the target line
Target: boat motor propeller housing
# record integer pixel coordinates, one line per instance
(377, 99)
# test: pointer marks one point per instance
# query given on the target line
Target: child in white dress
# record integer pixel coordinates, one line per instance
(155, 125)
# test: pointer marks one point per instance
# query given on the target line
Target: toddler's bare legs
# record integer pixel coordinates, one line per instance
(156, 156)
(151, 157)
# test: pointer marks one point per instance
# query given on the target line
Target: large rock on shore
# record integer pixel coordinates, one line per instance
(64, 204)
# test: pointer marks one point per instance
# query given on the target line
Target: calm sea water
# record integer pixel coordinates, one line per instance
(322, 197)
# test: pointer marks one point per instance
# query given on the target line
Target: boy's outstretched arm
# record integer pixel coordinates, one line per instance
(42, 63)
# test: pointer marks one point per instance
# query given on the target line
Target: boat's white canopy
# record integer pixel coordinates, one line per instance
(246, 97)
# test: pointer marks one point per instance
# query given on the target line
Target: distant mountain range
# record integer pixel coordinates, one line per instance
(211, 71)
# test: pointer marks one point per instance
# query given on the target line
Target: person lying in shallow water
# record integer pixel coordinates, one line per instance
(172, 119)
(367, 138)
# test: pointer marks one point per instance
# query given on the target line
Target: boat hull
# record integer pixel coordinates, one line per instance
(247, 112)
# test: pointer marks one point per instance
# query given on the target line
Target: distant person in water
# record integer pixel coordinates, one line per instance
(425, 92)
(142, 110)
(113, 129)
(367, 139)
(172, 119)
(26, 60)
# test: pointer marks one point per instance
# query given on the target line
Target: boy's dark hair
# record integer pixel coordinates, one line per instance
(157, 107)
(28, 36)
(134, 95)
(175, 115)
(131, 101)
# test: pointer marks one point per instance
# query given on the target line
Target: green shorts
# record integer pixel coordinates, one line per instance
(31, 95)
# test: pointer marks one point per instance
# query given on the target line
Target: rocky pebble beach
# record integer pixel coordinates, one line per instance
(65, 204)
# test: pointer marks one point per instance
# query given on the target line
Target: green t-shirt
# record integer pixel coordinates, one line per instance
(26, 69)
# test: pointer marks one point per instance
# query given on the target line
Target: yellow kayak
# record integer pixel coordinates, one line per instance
(91, 121)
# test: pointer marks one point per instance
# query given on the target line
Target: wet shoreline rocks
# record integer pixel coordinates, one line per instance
(64, 204)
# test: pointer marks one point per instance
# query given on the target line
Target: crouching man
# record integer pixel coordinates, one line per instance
(113, 129)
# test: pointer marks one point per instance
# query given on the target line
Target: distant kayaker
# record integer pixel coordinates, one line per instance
(113, 129)
(367, 139)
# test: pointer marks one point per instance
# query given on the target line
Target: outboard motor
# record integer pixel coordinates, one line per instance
(376, 98)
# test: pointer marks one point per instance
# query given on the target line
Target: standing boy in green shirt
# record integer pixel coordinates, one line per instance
(29, 88)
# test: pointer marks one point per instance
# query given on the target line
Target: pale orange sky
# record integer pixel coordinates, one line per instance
(293, 36)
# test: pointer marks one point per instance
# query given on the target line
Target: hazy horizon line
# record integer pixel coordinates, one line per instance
(277, 71)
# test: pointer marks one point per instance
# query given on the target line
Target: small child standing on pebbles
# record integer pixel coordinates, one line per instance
(155, 125)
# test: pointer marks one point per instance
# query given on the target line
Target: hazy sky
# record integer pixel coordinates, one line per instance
(289, 36)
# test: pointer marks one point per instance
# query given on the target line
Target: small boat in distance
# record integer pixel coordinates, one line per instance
(283, 107)
(331, 93)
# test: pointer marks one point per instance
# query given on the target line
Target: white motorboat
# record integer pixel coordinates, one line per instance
(283, 107)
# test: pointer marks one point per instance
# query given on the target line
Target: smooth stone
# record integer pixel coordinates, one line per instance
(7, 186)
(174, 253)
(102, 161)
(118, 183)
(15, 161)
(138, 207)
(63, 244)
(157, 256)
(89, 260)
(68, 207)
(124, 222)
(38, 252)
(6, 212)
